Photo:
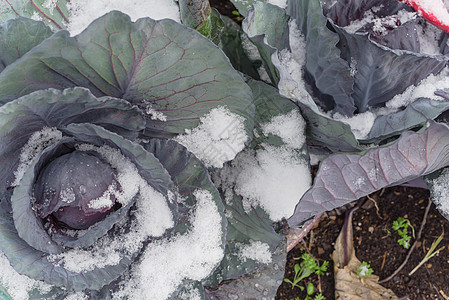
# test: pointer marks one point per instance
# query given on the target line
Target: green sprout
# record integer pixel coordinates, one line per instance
(238, 15)
(307, 267)
(364, 270)
(401, 225)
(431, 253)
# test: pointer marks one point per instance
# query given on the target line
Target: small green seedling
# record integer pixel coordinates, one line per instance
(310, 291)
(401, 225)
(307, 267)
(364, 270)
(431, 253)
(238, 15)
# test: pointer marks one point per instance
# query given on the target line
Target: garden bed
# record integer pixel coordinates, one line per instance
(376, 243)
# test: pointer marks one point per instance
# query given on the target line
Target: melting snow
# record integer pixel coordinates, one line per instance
(255, 250)
(83, 12)
(38, 141)
(218, 139)
(167, 263)
(18, 286)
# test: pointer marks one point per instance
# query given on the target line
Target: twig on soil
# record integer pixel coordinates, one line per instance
(377, 207)
(383, 261)
(418, 237)
(311, 240)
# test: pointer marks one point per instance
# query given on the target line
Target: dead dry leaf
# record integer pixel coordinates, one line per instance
(348, 285)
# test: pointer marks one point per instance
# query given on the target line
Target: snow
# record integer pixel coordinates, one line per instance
(77, 296)
(18, 286)
(273, 178)
(426, 88)
(255, 250)
(83, 12)
(360, 124)
(37, 142)
(280, 3)
(437, 8)
(289, 128)
(218, 139)
(166, 263)
(154, 114)
(152, 217)
(440, 192)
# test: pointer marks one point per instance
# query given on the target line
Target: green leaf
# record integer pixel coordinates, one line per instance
(160, 65)
(54, 13)
(18, 36)
(232, 45)
(267, 27)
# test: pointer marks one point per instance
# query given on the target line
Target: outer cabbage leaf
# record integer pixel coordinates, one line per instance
(53, 108)
(157, 65)
(53, 13)
(382, 73)
(415, 114)
(267, 27)
(329, 72)
(343, 178)
(18, 36)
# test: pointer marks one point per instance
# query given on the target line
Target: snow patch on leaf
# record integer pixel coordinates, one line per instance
(440, 192)
(218, 139)
(38, 141)
(18, 286)
(288, 127)
(272, 177)
(255, 250)
(426, 89)
(165, 264)
(83, 12)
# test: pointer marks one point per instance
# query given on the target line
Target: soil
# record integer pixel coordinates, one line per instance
(376, 243)
(374, 240)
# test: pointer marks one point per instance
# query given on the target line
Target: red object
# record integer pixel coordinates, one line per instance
(433, 11)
